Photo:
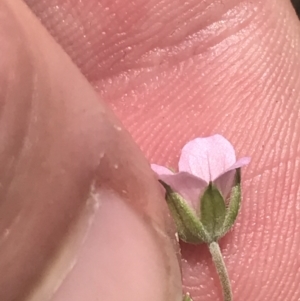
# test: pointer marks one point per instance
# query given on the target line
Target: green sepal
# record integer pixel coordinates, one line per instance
(213, 211)
(187, 297)
(234, 203)
(187, 222)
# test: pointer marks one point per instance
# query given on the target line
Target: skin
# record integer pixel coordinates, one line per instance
(81, 214)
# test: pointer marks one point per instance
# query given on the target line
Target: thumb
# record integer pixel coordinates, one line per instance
(81, 213)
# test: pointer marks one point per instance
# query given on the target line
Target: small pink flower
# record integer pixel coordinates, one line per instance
(204, 197)
(203, 160)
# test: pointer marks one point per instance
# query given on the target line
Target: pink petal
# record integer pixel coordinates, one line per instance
(187, 185)
(207, 158)
(240, 163)
(225, 181)
(161, 170)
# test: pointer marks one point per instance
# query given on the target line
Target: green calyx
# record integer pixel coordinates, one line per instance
(234, 204)
(213, 211)
(215, 218)
(188, 225)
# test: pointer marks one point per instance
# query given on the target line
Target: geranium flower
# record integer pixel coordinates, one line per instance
(204, 162)
(204, 195)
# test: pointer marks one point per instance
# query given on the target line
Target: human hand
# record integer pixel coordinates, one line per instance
(171, 72)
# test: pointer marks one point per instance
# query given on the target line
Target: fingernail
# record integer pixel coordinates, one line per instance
(123, 258)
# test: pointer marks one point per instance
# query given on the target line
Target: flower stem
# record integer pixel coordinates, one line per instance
(221, 269)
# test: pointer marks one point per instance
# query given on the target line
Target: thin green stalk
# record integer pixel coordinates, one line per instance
(221, 269)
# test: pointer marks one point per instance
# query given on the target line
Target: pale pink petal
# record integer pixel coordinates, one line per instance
(207, 158)
(187, 185)
(225, 181)
(161, 170)
(240, 163)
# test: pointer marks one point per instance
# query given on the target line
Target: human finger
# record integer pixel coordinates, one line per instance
(78, 200)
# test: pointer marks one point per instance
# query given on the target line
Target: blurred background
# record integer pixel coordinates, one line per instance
(296, 4)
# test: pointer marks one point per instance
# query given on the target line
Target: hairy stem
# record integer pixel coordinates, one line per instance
(221, 269)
